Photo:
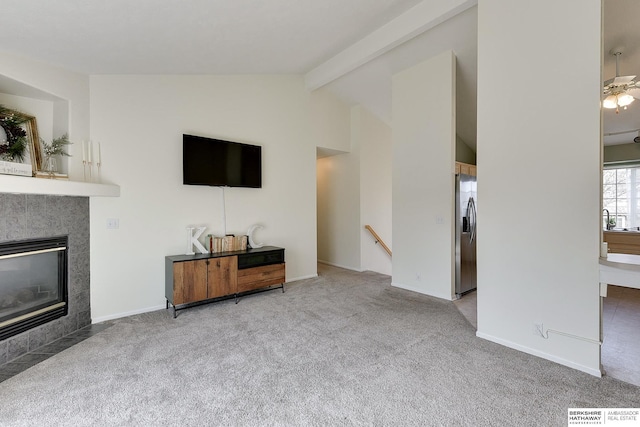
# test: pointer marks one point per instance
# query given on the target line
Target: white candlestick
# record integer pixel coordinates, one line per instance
(98, 154)
(89, 144)
(84, 152)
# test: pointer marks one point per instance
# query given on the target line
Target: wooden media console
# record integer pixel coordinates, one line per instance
(202, 278)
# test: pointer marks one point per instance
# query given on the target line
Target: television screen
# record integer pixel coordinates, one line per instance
(208, 161)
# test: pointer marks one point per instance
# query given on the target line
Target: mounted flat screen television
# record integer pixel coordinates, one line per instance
(214, 162)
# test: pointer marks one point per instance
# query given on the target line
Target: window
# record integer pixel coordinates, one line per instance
(621, 196)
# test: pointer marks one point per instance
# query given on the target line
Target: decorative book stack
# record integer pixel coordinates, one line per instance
(227, 243)
(13, 168)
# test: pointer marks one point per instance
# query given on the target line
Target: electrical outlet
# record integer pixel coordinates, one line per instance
(113, 223)
(538, 329)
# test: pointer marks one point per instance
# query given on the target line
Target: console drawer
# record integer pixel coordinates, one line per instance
(258, 258)
(260, 277)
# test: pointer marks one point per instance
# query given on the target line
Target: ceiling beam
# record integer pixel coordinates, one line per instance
(410, 24)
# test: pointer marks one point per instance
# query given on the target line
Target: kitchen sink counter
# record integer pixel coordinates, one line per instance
(621, 270)
(624, 261)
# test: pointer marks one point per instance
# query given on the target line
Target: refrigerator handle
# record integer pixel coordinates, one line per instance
(472, 209)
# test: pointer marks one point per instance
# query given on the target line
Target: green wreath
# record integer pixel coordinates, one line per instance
(12, 149)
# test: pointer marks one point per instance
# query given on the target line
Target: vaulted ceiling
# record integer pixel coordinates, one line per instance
(240, 37)
(190, 37)
(291, 37)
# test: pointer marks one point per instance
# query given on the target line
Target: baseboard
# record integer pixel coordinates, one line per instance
(333, 264)
(294, 279)
(128, 313)
(541, 354)
(420, 291)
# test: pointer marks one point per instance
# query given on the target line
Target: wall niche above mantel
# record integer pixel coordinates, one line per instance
(51, 112)
(49, 96)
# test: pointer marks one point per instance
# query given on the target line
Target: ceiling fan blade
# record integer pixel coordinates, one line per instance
(623, 80)
(634, 92)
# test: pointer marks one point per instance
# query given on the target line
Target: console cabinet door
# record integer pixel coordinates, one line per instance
(189, 281)
(222, 276)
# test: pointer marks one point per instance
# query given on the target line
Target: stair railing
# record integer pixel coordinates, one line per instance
(378, 239)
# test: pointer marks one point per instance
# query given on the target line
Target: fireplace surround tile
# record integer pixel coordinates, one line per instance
(69, 323)
(78, 270)
(38, 337)
(36, 209)
(80, 299)
(17, 346)
(25, 216)
(47, 333)
(14, 220)
(84, 318)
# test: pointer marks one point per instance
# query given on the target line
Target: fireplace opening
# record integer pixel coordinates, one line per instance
(33, 283)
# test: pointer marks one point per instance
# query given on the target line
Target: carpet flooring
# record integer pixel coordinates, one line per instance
(344, 348)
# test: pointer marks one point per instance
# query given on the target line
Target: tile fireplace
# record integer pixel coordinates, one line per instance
(35, 219)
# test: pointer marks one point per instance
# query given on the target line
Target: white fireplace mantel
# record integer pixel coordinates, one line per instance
(55, 187)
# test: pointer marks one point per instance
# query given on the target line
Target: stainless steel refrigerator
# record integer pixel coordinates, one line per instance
(466, 196)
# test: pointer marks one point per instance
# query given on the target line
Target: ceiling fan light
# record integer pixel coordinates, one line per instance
(610, 102)
(625, 99)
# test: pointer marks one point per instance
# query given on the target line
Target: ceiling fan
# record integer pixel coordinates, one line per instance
(621, 90)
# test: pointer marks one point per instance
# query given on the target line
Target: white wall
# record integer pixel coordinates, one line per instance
(539, 161)
(375, 187)
(464, 153)
(423, 171)
(139, 121)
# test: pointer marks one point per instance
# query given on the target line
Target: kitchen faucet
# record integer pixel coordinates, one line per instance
(608, 225)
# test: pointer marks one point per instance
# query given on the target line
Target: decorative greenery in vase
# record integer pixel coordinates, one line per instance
(55, 148)
(12, 148)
